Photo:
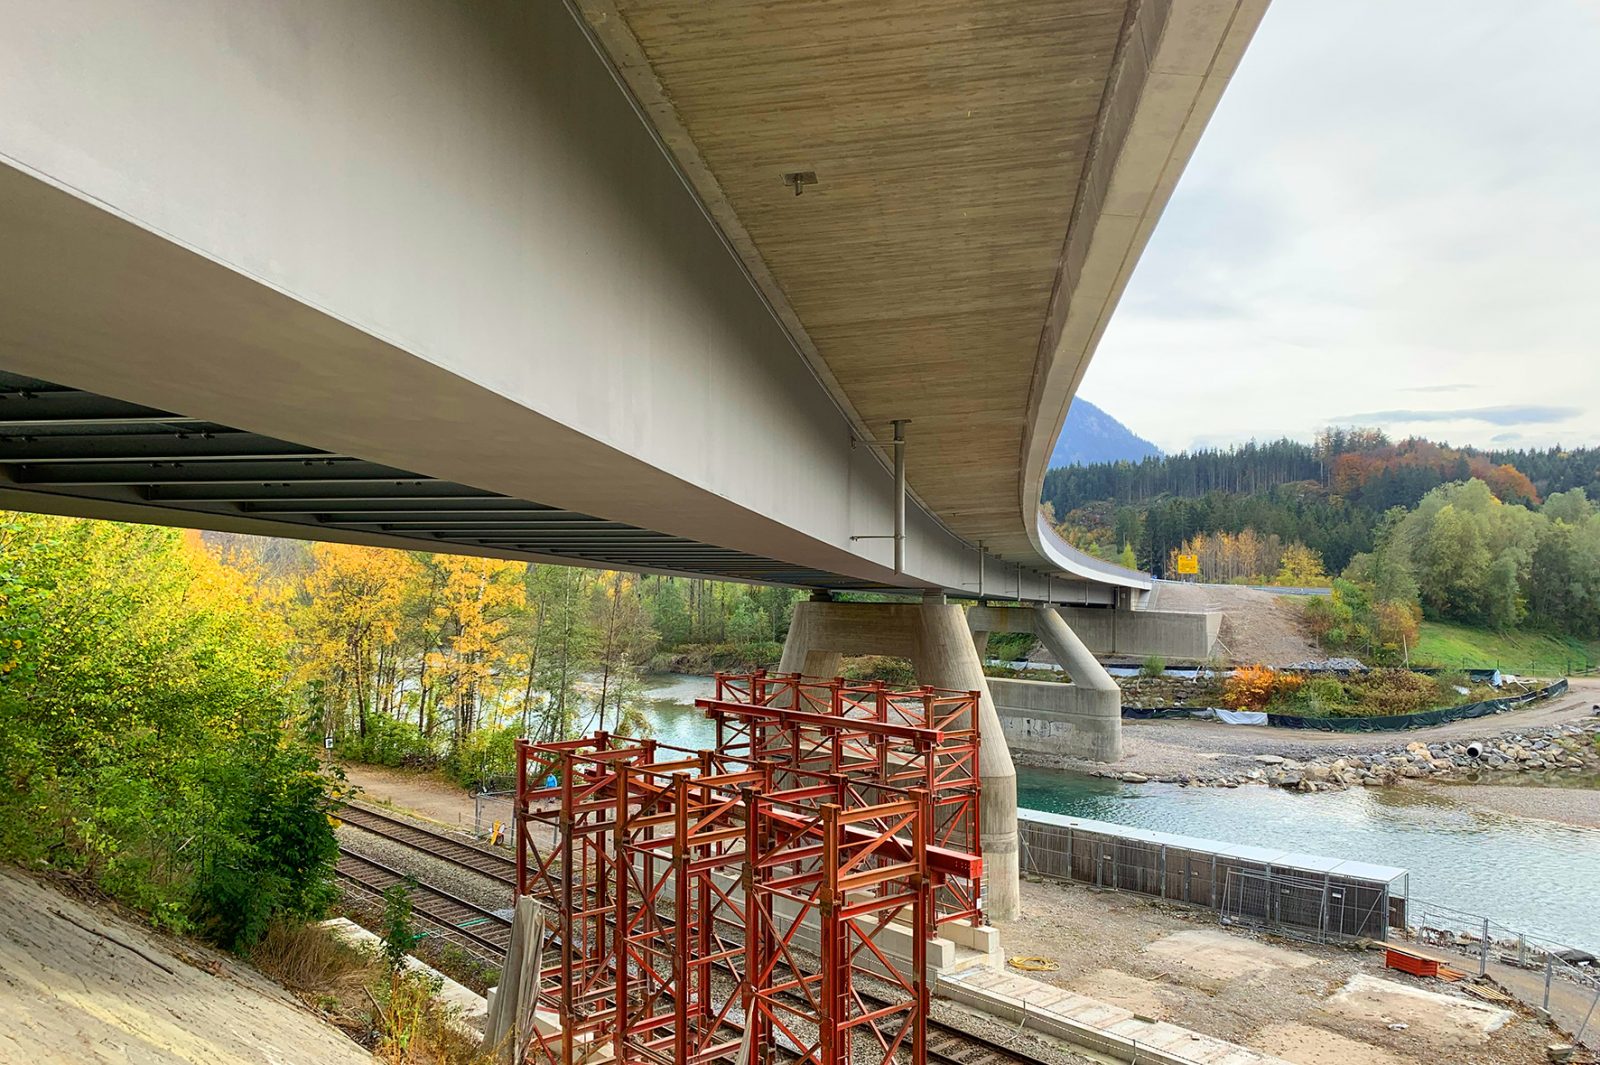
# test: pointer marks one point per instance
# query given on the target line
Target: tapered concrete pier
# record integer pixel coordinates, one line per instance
(933, 635)
(1082, 719)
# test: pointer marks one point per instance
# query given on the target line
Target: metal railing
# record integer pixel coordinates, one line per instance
(1484, 941)
(489, 808)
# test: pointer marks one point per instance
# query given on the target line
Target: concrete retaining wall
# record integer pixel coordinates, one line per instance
(1045, 717)
(1168, 633)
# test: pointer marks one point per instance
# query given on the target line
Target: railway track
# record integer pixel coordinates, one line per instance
(949, 1045)
(434, 844)
(490, 934)
(481, 931)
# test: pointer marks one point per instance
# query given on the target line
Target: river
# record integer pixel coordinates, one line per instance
(1531, 875)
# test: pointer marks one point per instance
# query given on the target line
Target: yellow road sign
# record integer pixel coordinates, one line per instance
(1189, 564)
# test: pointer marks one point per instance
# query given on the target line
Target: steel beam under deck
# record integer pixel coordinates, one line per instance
(60, 443)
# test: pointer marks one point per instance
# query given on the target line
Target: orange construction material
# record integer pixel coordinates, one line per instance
(1414, 964)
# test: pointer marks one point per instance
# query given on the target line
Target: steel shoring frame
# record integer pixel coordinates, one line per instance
(805, 868)
(684, 835)
(661, 863)
(576, 878)
(880, 738)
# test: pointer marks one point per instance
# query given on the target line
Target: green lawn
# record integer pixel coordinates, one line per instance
(1537, 653)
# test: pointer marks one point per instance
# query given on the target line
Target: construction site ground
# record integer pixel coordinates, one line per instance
(1257, 627)
(1176, 964)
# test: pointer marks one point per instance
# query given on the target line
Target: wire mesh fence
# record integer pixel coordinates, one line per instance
(1479, 939)
(1318, 909)
(492, 809)
(1316, 898)
(1515, 956)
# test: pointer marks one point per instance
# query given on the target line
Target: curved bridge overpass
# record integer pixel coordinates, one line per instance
(616, 283)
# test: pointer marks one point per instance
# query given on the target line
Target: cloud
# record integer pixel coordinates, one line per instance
(1377, 220)
(1511, 414)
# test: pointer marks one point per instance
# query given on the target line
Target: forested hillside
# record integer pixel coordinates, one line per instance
(1411, 530)
(1328, 495)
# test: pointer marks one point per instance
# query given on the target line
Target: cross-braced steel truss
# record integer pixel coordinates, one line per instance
(716, 904)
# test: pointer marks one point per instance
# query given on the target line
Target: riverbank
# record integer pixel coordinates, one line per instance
(1579, 807)
(1569, 751)
(1556, 735)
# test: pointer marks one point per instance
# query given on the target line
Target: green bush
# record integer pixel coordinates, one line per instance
(399, 930)
(142, 730)
(484, 760)
(895, 671)
(1446, 685)
(1011, 646)
(391, 743)
(1154, 666)
(1322, 697)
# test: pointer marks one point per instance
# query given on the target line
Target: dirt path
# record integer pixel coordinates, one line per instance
(429, 797)
(80, 985)
(1257, 627)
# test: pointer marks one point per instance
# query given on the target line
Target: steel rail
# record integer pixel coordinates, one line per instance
(453, 915)
(434, 844)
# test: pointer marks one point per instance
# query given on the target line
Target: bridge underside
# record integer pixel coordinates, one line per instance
(72, 452)
(528, 280)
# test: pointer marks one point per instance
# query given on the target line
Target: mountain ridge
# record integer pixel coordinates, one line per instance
(1092, 436)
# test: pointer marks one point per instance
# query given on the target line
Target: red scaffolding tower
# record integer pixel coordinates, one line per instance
(704, 904)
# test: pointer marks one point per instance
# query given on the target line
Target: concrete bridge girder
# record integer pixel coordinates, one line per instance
(447, 240)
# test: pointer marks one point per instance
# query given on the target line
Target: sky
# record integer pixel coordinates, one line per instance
(1392, 220)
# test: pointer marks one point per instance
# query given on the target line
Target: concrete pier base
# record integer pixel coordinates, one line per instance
(933, 635)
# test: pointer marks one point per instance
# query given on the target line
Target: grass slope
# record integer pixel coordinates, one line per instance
(1462, 647)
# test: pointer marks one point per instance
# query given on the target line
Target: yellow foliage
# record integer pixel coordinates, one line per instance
(1253, 687)
(1301, 567)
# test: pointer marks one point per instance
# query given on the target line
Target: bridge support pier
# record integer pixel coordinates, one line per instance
(1082, 719)
(933, 635)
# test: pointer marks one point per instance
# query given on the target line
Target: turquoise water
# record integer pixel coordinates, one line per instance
(1534, 876)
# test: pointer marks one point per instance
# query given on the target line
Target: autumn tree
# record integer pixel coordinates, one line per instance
(477, 599)
(567, 641)
(623, 640)
(1300, 567)
(348, 618)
